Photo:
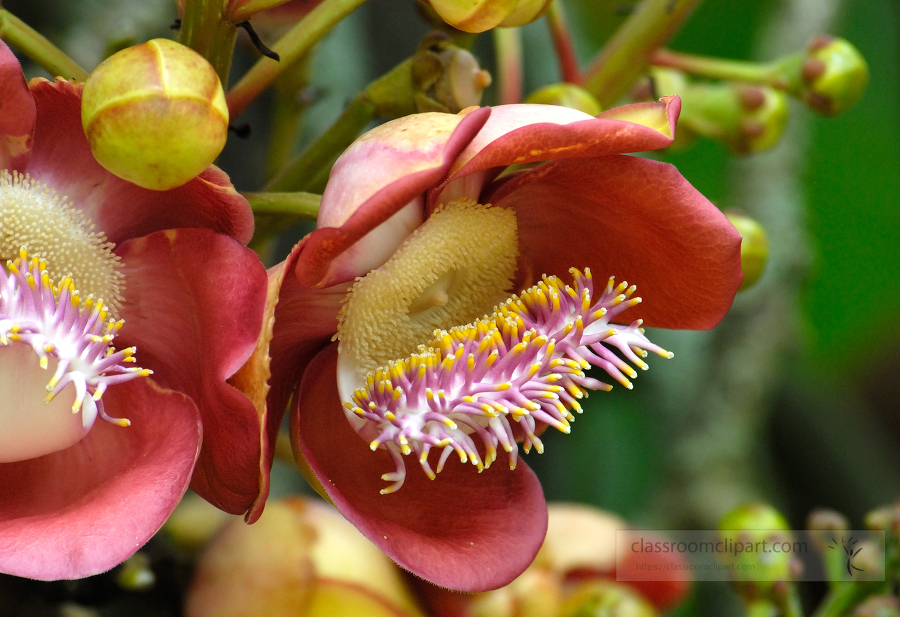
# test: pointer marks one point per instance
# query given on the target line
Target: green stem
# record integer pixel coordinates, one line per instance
(291, 47)
(717, 68)
(298, 205)
(206, 29)
(840, 601)
(249, 8)
(508, 43)
(562, 41)
(627, 54)
(301, 173)
(31, 43)
(287, 116)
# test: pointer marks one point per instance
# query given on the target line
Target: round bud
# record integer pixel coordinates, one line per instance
(566, 95)
(834, 75)
(754, 247)
(473, 16)
(526, 11)
(750, 534)
(155, 114)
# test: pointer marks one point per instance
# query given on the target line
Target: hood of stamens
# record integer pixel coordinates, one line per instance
(36, 217)
(523, 364)
(452, 270)
(56, 362)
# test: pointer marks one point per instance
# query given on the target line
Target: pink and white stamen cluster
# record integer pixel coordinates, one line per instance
(524, 364)
(56, 323)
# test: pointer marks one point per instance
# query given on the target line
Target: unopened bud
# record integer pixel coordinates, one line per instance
(445, 77)
(473, 16)
(606, 599)
(754, 247)
(747, 118)
(885, 518)
(136, 574)
(566, 95)
(834, 75)
(759, 545)
(526, 11)
(155, 114)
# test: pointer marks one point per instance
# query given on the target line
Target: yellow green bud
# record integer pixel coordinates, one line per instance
(155, 114)
(750, 532)
(566, 95)
(606, 599)
(754, 247)
(834, 75)
(473, 16)
(526, 11)
(747, 118)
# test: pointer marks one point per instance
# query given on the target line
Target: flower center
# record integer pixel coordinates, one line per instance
(462, 388)
(44, 328)
(450, 271)
(36, 217)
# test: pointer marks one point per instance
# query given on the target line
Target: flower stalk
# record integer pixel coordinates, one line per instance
(629, 51)
(562, 41)
(291, 47)
(508, 45)
(207, 29)
(296, 205)
(34, 45)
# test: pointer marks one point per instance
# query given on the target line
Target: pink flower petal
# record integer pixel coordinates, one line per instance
(83, 510)
(631, 218)
(516, 134)
(464, 530)
(62, 159)
(193, 306)
(377, 176)
(305, 321)
(17, 113)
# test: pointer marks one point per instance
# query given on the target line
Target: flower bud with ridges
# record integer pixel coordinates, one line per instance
(834, 75)
(754, 247)
(155, 114)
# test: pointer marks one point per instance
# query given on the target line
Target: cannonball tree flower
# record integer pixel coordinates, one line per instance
(96, 274)
(419, 370)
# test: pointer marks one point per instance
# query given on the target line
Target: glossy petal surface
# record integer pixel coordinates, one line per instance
(196, 326)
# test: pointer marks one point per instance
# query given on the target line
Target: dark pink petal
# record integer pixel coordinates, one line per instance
(377, 176)
(305, 321)
(194, 302)
(463, 530)
(516, 134)
(62, 159)
(17, 113)
(631, 218)
(83, 510)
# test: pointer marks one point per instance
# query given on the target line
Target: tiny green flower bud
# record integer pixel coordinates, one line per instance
(747, 118)
(566, 95)
(754, 247)
(606, 599)
(155, 114)
(751, 534)
(834, 75)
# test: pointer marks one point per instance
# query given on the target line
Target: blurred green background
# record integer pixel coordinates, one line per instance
(795, 397)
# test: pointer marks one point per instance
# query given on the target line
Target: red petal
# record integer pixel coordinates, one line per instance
(516, 134)
(465, 530)
(83, 510)
(194, 302)
(17, 113)
(373, 180)
(62, 158)
(631, 218)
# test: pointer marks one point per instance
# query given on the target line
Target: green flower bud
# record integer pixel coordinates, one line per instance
(751, 532)
(747, 118)
(526, 11)
(834, 75)
(473, 16)
(135, 574)
(155, 114)
(566, 95)
(606, 599)
(754, 247)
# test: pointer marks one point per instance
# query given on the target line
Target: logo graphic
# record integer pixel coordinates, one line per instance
(849, 550)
